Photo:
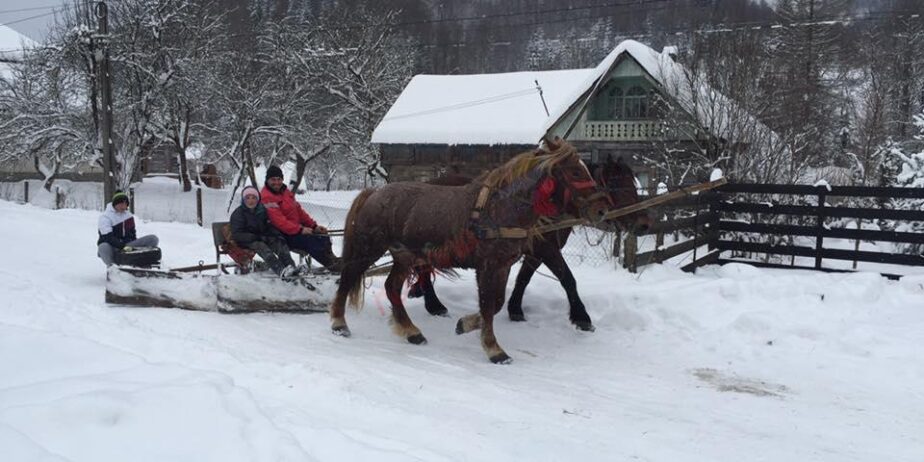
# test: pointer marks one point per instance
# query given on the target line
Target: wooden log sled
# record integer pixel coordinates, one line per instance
(222, 293)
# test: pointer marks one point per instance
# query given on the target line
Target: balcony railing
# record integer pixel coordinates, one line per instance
(625, 130)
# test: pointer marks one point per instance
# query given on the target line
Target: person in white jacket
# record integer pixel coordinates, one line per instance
(117, 230)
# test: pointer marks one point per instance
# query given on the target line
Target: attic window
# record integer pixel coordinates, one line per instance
(606, 106)
(636, 104)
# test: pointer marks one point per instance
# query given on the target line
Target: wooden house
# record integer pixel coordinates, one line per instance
(622, 107)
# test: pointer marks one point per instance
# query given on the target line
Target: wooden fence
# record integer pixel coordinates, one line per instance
(715, 217)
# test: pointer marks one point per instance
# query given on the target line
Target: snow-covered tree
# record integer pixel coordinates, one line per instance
(190, 42)
(349, 67)
(903, 166)
(43, 120)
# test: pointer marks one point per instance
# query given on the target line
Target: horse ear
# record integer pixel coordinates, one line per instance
(553, 144)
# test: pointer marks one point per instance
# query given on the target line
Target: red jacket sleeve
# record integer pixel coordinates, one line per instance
(279, 220)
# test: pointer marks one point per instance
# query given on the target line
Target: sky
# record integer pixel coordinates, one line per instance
(33, 16)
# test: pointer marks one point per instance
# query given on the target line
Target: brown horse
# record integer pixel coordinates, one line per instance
(485, 225)
(618, 181)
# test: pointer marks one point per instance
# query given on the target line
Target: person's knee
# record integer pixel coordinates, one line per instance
(105, 253)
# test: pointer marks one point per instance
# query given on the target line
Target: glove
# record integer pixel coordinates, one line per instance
(127, 248)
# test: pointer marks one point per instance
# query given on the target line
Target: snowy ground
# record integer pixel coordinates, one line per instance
(733, 363)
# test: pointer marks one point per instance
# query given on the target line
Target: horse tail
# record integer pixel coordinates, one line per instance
(349, 255)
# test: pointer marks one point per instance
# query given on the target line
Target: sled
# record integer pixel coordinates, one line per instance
(240, 286)
(259, 291)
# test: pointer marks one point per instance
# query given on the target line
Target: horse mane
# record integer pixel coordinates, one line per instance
(543, 159)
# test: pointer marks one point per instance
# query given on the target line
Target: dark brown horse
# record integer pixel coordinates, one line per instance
(485, 225)
(618, 181)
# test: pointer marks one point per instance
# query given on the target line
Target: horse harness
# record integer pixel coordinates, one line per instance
(502, 232)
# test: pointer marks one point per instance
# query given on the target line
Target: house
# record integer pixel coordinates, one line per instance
(622, 107)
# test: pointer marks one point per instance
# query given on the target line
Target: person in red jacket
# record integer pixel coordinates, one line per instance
(300, 230)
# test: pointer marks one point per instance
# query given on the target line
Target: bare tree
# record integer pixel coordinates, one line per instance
(42, 118)
(356, 64)
(189, 43)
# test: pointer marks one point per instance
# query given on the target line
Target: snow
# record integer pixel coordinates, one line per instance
(733, 363)
(476, 109)
(822, 183)
(716, 174)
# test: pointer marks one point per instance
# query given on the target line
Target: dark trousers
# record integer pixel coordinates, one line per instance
(275, 253)
(317, 245)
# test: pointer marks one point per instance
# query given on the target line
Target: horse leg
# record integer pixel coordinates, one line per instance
(431, 301)
(491, 287)
(554, 261)
(351, 280)
(401, 322)
(515, 304)
(417, 289)
(423, 287)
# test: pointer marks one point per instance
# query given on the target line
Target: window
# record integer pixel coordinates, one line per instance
(615, 102)
(605, 107)
(635, 103)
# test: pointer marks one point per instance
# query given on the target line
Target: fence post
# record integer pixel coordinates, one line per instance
(631, 250)
(131, 200)
(25, 189)
(199, 205)
(696, 229)
(856, 246)
(617, 244)
(820, 226)
(59, 199)
(714, 219)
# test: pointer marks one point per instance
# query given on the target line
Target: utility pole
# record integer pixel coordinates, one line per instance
(105, 92)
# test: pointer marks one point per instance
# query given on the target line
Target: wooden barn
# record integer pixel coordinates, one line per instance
(470, 123)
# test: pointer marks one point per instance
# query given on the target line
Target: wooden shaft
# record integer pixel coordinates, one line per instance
(648, 203)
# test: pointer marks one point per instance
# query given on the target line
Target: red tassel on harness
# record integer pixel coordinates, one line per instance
(542, 198)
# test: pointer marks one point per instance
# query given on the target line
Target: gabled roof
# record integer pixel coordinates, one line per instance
(506, 108)
(476, 109)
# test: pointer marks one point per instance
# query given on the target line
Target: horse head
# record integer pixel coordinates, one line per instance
(570, 185)
(617, 180)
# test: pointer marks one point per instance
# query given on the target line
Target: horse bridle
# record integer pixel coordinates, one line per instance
(575, 188)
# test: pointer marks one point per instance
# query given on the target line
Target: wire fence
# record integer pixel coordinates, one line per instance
(163, 201)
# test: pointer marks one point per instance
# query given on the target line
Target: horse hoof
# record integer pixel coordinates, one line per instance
(438, 311)
(585, 326)
(342, 331)
(517, 317)
(460, 329)
(417, 339)
(501, 358)
(415, 292)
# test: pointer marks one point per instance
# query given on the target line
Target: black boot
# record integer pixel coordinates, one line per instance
(331, 262)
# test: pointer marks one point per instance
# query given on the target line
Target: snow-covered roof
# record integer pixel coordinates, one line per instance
(506, 109)
(476, 109)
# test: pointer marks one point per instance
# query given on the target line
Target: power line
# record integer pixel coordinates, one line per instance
(714, 29)
(463, 105)
(30, 9)
(30, 17)
(506, 15)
